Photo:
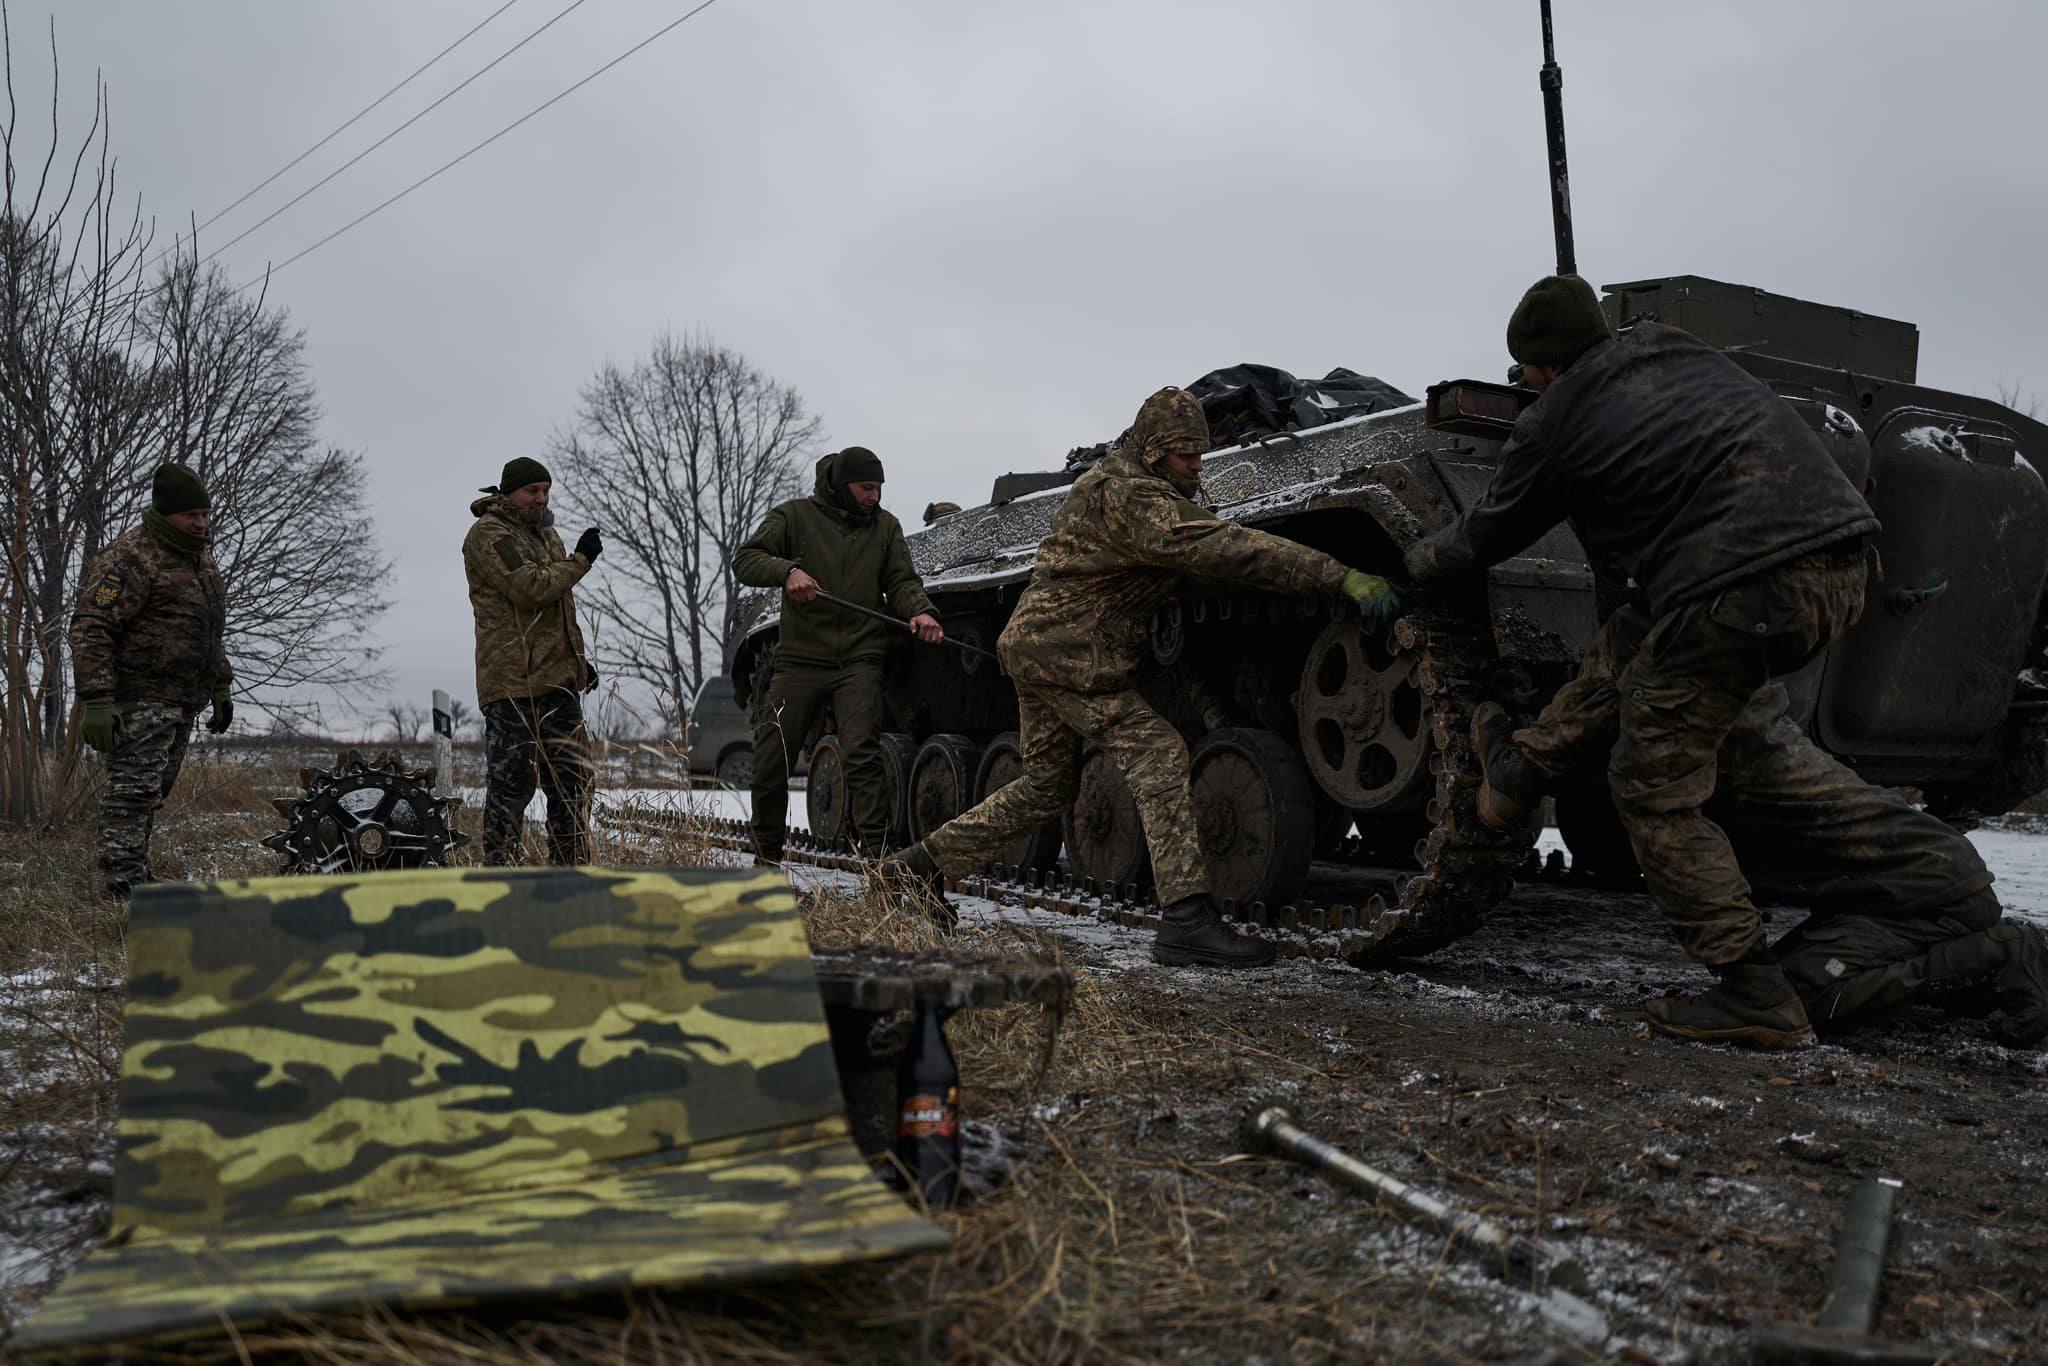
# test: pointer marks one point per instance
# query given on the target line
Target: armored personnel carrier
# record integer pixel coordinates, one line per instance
(1303, 723)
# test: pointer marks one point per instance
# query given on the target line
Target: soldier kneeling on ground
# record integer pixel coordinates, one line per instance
(1683, 474)
(148, 644)
(1128, 532)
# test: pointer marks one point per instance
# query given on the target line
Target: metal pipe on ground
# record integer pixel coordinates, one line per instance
(1842, 1336)
(1515, 1259)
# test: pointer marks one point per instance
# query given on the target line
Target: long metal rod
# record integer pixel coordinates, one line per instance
(1551, 79)
(838, 601)
(1505, 1253)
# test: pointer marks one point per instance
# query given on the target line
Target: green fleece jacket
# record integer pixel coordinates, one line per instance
(859, 557)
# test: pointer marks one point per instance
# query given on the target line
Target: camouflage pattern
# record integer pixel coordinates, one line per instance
(529, 742)
(1680, 696)
(149, 750)
(1054, 724)
(445, 1086)
(1122, 539)
(150, 625)
(795, 702)
(520, 577)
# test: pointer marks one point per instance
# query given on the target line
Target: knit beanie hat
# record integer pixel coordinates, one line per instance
(857, 465)
(175, 488)
(521, 471)
(1556, 321)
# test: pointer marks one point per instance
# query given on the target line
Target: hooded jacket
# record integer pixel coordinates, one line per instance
(1120, 542)
(527, 640)
(151, 624)
(1675, 466)
(861, 557)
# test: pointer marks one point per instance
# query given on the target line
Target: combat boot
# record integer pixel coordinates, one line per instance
(1754, 1003)
(911, 879)
(1192, 933)
(1511, 788)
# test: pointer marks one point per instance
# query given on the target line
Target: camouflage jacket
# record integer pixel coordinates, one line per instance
(862, 559)
(527, 640)
(1119, 543)
(151, 624)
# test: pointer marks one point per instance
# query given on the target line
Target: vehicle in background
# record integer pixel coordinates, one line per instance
(720, 738)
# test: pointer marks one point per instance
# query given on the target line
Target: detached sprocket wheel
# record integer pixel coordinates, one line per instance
(365, 817)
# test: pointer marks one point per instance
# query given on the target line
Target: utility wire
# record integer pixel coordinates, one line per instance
(417, 73)
(563, 14)
(457, 161)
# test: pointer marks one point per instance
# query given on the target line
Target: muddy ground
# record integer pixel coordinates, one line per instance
(1699, 1187)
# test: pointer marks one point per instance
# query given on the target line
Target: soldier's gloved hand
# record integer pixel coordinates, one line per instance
(1374, 595)
(223, 711)
(590, 545)
(100, 724)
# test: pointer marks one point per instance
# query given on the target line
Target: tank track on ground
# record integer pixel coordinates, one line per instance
(1465, 868)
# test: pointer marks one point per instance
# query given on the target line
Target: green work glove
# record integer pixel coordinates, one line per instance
(223, 710)
(100, 724)
(1374, 595)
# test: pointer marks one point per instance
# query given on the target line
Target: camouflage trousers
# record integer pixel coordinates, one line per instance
(1885, 883)
(1054, 724)
(529, 742)
(149, 749)
(795, 702)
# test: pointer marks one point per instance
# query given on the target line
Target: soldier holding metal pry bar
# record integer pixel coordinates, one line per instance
(840, 560)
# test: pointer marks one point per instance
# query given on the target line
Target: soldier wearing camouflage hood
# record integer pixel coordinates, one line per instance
(841, 541)
(531, 668)
(1127, 534)
(148, 647)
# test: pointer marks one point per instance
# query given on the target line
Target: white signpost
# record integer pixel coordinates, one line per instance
(444, 745)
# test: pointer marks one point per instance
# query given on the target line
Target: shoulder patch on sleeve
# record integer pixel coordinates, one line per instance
(107, 591)
(508, 551)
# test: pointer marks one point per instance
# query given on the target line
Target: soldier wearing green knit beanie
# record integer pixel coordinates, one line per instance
(148, 650)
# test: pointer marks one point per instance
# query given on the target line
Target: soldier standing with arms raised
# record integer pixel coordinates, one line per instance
(148, 647)
(530, 665)
(1126, 535)
(839, 540)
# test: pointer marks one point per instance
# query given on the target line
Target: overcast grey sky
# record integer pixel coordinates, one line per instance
(975, 235)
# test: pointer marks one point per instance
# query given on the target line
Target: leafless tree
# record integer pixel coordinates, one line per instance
(459, 716)
(678, 458)
(406, 720)
(292, 531)
(71, 267)
(2019, 400)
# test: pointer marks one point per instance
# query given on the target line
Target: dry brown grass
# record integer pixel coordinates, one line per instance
(1128, 1233)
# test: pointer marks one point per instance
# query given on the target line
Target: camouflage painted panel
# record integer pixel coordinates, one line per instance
(298, 1042)
(706, 1223)
(398, 1085)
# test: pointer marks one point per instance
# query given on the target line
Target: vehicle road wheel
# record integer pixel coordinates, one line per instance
(1255, 809)
(1104, 835)
(941, 782)
(736, 768)
(1365, 720)
(825, 791)
(899, 753)
(1002, 763)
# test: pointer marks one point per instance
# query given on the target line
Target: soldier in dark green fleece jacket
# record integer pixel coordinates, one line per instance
(841, 541)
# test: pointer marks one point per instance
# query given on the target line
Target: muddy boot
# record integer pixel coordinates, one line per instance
(1511, 788)
(910, 879)
(2022, 984)
(1754, 1003)
(1192, 933)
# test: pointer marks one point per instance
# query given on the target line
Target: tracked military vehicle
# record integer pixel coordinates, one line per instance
(1304, 723)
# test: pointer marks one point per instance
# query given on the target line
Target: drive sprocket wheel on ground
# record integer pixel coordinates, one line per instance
(365, 817)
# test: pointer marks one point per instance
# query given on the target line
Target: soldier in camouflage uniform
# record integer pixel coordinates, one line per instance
(1128, 532)
(530, 665)
(147, 645)
(1684, 474)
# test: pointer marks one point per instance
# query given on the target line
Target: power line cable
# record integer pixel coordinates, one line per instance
(457, 161)
(563, 14)
(418, 71)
